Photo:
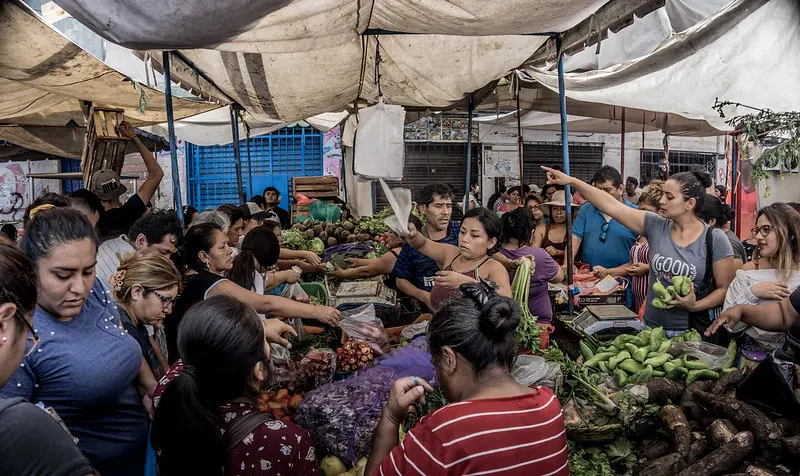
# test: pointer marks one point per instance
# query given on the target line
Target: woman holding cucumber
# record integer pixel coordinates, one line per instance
(679, 246)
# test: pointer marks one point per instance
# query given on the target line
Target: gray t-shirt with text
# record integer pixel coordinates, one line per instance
(668, 259)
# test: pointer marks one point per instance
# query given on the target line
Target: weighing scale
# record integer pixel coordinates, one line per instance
(615, 318)
(354, 294)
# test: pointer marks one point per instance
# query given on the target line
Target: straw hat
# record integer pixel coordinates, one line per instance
(559, 200)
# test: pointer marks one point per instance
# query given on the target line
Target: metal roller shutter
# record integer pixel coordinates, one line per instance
(584, 160)
(275, 158)
(430, 162)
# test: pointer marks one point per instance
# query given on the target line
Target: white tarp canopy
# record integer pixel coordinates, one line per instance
(746, 53)
(291, 60)
(545, 121)
(44, 78)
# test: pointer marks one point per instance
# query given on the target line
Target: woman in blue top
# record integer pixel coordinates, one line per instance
(84, 366)
(678, 245)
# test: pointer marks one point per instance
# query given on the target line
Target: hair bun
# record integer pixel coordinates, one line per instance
(499, 317)
(703, 176)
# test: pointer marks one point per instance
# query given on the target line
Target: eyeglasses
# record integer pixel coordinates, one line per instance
(604, 234)
(762, 230)
(166, 301)
(32, 338)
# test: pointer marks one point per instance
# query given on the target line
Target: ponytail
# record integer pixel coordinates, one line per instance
(220, 340)
(259, 244)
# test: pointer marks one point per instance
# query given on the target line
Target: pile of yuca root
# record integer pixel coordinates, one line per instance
(703, 430)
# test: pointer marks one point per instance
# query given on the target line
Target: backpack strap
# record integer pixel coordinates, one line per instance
(244, 426)
(708, 279)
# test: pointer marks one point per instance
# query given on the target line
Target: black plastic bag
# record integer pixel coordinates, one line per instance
(771, 386)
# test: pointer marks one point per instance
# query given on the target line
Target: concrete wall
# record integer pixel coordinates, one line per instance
(13, 183)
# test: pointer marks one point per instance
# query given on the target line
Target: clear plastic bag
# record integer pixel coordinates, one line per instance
(318, 367)
(400, 201)
(413, 330)
(379, 145)
(295, 292)
(297, 325)
(534, 370)
(362, 324)
(285, 371)
(712, 354)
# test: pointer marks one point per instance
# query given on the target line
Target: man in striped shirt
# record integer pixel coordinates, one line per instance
(495, 425)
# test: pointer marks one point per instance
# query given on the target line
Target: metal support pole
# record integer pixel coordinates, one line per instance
(249, 162)
(622, 147)
(565, 155)
(469, 153)
(173, 151)
(237, 159)
(519, 139)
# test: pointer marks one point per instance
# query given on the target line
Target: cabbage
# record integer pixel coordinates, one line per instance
(317, 246)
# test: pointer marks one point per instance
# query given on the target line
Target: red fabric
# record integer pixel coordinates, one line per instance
(522, 435)
(273, 448)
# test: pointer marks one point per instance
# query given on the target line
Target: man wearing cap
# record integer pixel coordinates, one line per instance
(117, 218)
(257, 217)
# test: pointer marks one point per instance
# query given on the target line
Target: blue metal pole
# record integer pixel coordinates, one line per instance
(173, 151)
(562, 102)
(469, 154)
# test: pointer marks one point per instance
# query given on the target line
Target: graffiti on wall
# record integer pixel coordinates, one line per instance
(12, 192)
(332, 152)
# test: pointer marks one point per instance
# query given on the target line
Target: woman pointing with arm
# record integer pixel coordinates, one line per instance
(678, 246)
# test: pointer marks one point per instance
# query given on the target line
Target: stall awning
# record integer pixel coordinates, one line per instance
(44, 78)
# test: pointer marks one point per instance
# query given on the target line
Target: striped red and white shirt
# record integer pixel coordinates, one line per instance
(521, 435)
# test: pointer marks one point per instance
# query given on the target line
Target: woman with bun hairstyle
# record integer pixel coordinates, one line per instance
(493, 425)
(254, 267)
(145, 288)
(209, 258)
(679, 246)
(207, 419)
(638, 268)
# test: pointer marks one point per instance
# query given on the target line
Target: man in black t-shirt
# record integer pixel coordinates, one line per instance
(117, 218)
(272, 197)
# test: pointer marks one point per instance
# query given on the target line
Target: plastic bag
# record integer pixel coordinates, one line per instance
(317, 367)
(324, 212)
(712, 354)
(534, 370)
(413, 330)
(362, 324)
(379, 145)
(285, 371)
(400, 201)
(778, 374)
(342, 416)
(295, 292)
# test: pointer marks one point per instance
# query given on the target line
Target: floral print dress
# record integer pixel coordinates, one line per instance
(274, 448)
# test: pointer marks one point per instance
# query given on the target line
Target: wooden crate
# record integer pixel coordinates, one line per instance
(104, 147)
(316, 187)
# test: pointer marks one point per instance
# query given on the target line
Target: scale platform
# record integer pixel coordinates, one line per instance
(363, 292)
(612, 318)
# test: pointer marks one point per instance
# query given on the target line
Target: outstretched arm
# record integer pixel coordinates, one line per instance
(154, 172)
(631, 218)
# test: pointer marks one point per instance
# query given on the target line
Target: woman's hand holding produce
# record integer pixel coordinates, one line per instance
(274, 330)
(312, 258)
(773, 290)
(405, 392)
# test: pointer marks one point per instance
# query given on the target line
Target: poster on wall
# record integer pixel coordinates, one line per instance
(12, 192)
(501, 162)
(332, 152)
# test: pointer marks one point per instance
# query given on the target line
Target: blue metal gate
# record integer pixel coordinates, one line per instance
(275, 158)
(71, 165)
